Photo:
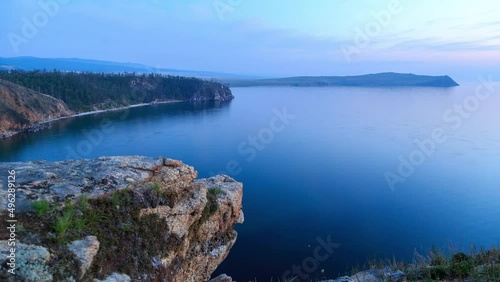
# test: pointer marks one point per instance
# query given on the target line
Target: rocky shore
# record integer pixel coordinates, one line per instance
(375, 275)
(33, 128)
(45, 124)
(117, 219)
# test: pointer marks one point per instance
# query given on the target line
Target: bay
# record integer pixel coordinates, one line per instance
(314, 164)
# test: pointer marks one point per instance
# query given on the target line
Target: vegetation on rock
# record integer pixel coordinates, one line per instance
(147, 218)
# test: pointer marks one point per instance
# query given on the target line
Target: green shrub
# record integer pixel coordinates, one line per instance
(460, 265)
(462, 269)
(209, 210)
(41, 207)
(84, 203)
(115, 198)
(492, 272)
(63, 223)
(68, 206)
(94, 217)
(80, 223)
(459, 257)
(439, 272)
(156, 187)
(437, 258)
(216, 191)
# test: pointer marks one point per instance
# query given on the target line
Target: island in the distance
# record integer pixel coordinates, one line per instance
(388, 79)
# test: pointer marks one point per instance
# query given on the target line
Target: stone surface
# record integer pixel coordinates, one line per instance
(115, 277)
(179, 217)
(70, 179)
(31, 262)
(216, 94)
(222, 278)
(376, 275)
(199, 214)
(85, 251)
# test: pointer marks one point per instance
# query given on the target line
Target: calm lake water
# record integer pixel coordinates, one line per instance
(320, 174)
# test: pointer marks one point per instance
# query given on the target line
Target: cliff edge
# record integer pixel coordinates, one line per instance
(116, 219)
(22, 108)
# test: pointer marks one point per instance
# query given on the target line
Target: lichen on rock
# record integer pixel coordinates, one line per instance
(85, 251)
(31, 261)
(115, 277)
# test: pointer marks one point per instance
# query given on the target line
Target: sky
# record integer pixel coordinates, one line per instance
(262, 37)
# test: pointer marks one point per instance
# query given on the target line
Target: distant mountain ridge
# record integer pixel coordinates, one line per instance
(87, 65)
(388, 79)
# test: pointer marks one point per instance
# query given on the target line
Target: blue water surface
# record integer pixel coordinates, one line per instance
(313, 162)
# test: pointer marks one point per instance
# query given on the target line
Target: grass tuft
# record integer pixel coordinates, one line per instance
(41, 207)
(63, 223)
(115, 198)
(478, 265)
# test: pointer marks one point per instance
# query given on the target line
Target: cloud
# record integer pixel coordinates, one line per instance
(438, 44)
(480, 25)
(190, 35)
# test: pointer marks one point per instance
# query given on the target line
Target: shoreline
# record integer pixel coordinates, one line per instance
(43, 124)
(113, 109)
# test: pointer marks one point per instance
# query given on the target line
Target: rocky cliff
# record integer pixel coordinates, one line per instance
(117, 219)
(217, 93)
(22, 108)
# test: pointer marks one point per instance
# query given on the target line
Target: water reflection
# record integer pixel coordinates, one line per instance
(72, 130)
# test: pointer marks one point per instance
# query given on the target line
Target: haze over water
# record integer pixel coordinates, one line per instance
(322, 175)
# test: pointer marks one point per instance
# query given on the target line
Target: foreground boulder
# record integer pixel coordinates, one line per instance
(118, 219)
(373, 275)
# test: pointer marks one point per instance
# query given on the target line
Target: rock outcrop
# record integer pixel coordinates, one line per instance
(222, 278)
(208, 92)
(84, 250)
(21, 109)
(119, 219)
(31, 262)
(374, 275)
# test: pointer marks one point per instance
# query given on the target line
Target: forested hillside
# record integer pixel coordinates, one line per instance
(90, 91)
